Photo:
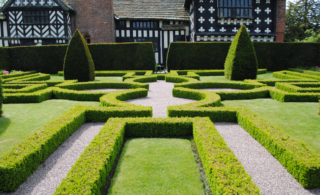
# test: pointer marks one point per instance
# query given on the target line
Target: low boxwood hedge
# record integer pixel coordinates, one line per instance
(18, 74)
(1, 97)
(23, 88)
(225, 176)
(283, 96)
(294, 75)
(22, 160)
(299, 87)
(272, 82)
(34, 97)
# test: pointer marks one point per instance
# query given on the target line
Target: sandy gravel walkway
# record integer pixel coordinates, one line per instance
(159, 97)
(51, 172)
(266, 171)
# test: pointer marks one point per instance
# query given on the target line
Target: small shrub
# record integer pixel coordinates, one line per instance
(78, 63)
(241, 62)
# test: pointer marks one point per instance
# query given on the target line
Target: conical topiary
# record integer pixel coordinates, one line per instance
(241, 62)
(78, 63)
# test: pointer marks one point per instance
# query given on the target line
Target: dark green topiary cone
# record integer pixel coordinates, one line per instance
(78, 63)
(241, 62)
(1, 97)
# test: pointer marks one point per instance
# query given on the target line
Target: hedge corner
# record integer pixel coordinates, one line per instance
(241, 62)
(78, 63)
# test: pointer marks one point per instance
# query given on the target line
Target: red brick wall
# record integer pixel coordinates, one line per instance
(94, 17)
(281, 17)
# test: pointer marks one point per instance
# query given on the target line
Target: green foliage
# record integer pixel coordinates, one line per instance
(241, 62)
(295, 75)
(33, 97)
(283, 96)
(302, 163)
(224, 172)
(23, 88)
(28, 77)
(1, 97)
(86, 177)
(301, 16)
(78, 63)
(299, 87)
(17, 74)
(311, 38)
(211, 55)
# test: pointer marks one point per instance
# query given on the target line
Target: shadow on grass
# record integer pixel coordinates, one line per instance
(4, 123)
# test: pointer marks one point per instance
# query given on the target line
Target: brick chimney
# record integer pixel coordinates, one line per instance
(281, 17)
(94, 19)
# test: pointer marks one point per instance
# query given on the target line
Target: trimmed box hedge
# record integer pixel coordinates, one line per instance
(1, 97)
(106, 56)
(225, 176)
(6, 76)
(22, 160)
(211, 55)
(23, 88)
(34, 97)
(299, 87)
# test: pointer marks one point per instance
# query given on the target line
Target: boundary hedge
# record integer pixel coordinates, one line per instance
(211, 55)
(225, 176)
(1, 97)
(299, 87)
(106, 56)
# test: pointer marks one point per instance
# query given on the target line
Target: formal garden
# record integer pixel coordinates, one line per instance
(98, 123)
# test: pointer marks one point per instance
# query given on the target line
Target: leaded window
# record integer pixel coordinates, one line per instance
(35, 17)
(145, 25)
(234, 8)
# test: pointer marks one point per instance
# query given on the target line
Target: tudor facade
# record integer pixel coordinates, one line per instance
(43, 22)
(35, 22)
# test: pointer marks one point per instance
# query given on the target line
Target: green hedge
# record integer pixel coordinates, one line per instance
(50, 83)
(272, 82)
(299, 87)
(283, 96)
(1, 97)
(211, 55)
(310, 72)
(106, 56)
(34, 97)
(225, 174)
(22, 160)
(6, 76)
(23, 88)
(294, 75)
(302, 163)
(86, 177)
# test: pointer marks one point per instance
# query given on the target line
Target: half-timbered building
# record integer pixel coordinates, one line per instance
(159, 22)
(42, 22)
(35, 22)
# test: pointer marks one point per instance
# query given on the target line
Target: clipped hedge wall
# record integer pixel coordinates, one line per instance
(106, 56)
(211, 55)
(1, 97)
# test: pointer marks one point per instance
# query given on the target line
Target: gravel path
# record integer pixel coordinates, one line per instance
(266, 171)
(159, 97)
(221, 89)
(51, 172)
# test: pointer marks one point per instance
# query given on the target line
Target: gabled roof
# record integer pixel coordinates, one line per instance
(64, 4)
(150, 9)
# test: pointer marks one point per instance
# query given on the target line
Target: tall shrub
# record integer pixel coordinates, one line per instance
(241, 62)
(78, 63)
(1, 97)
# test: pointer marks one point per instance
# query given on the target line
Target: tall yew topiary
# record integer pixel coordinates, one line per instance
(241, 62)
(1, 97)
(78, 63)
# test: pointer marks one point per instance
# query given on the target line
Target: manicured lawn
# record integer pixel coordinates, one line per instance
(268, 75)
(60, 78)
(157, 166)
(21, 120)
(300, 120)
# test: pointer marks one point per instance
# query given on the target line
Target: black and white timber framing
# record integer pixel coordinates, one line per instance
(219, 20)
(35, 22)
(160, 32)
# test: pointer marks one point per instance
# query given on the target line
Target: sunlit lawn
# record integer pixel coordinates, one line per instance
(157, 166)
(21, 120)
(300, 120)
